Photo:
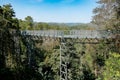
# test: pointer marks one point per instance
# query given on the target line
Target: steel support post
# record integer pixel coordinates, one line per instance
(63, 62)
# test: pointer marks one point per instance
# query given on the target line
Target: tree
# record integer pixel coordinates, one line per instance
(29, 19)
(13, 61)
(112, 67)
(7, 15)
(8, 23)
(106, 14)
(27, 23)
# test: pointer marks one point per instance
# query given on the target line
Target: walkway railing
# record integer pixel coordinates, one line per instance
(70, 33)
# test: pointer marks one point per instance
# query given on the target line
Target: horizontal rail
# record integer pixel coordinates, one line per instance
(70, 33)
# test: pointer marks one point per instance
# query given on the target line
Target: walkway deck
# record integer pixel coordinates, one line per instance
(70, 33)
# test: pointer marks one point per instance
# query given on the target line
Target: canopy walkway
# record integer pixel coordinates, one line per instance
(70, 33)
(84, 36)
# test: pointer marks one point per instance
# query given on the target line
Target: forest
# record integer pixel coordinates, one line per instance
(88, 62)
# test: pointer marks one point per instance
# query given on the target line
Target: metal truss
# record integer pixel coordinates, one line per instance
(63, 60)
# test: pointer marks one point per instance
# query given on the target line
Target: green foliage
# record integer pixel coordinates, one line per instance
(85, 62)
(13, 54)
(27, 24)
(7, 15)
(107, 14)
(8, 12)
(29, 21)
(112, 67)
(87, 74)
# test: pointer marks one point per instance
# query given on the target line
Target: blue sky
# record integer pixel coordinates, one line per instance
(54, 10)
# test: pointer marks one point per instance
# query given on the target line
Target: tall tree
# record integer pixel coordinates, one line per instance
(106, 14)
(29, 21)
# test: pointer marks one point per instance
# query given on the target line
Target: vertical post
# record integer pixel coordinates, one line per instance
(60, 63)
(63, 62)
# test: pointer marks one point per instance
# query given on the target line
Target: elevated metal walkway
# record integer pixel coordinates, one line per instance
(76, 36)
(70, 33)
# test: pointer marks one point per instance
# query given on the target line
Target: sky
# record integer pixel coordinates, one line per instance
(61, 11)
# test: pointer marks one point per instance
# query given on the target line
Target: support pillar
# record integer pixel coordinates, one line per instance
(63, 62)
